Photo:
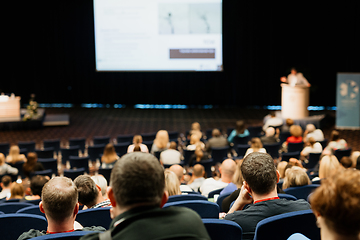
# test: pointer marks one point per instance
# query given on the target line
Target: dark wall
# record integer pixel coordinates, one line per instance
(49, 50)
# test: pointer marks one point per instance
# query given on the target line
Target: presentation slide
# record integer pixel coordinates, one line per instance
(158, 35)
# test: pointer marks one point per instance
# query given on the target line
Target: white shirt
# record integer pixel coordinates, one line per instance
(250, 150)
(143, 148)
(317, 148)
(211, 184)
(196, 184)
(170, 156)
(317, 134)
(274, 121)
(297, 79)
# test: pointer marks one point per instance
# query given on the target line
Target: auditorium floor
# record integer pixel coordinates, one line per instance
(88, 123)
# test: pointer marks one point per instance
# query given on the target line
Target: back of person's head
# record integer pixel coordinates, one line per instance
(216, 132)
(237, 177)
(6, 181)
(173, 145)
(59, 198)
(335, 135)
(14, 150)
(17, 190)
(240, 127)
(228, 168)
(312, 141)
(310, 127)
(2, 159)
(346, 162)
(295, 177)
(337, 201)
(109, 149)
(138, 178)
(270, 132)
(289, 122)
(87, 190)
(172, 183)
(272, 114)
(281, 167)
(31, 161)
(194, 138)
(198, 170)
(178, 170)
(258, 170)
(161, 139)
(37, 183)
(196, 126)
(296, 131)
(137, 139)
(255, 143)
(328, 165)
(101, 181)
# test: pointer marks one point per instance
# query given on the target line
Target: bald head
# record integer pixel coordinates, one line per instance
(270, 131)
(178, 170)
(198, 170)
(227, 168)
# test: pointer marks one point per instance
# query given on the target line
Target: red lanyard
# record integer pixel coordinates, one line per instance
(60, 232)
(266, 199)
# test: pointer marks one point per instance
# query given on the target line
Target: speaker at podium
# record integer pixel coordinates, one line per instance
(294, 101)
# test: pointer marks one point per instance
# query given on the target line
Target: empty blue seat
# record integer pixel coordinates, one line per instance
(13, 207)
(101, 140)
(29, 145)
(95, 151)
(295, 147)
(73, 173)
(273, 149)
(106, 172)
(47, 172)
(80, 142)
(219, 229)
(50, 163)
(54, 143)
(79, 162)
(4, 148)
(67, 152)
(45, 153)
(121, 148)
(95, 217)
(205, 209)
(175, 198)
(301, 192)
(125, 138)
(215, 192)
(35, 209)
(219, 154)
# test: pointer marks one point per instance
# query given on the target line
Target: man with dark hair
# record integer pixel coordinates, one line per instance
(137, 195)
(260, 191)
(36, 185)
(90, 193)
(197, 178)
(5, 185)
(216, 141)
(60, 206)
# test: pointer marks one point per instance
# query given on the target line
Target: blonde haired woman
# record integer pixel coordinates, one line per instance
(328, 165)
(161, 142)
(255, 146)
(109, 157)
(295, 177)
(14, 155)
(137, 141)
(172, 184)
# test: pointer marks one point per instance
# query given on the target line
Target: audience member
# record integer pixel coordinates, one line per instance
(137, 203)
(335, 143)
(296, 134)
(198, 156)
(288, 123)
(60, 206)
(271, 136)
(17, 191)
(255, 146)
(311, 131)
(273, 121)
(179, 171)
(109, 156)
(172, 184)
(346, 162)
(281, 167)
(227, 170)
(137, 142)
(171, 155)
(15, 156)
(6, 168)
(36, 185)
(195, 129)
(336, 205)
(216, 141)
(295, 177)
(236, 182)
(6, 187)
(354, 156)
(161, 141)
(197, 177)
(32, 165)
(101, 181)
(260, 188)
(89, 193)
(328, 165)
(239, 131)
(311, 146)
(195, 143)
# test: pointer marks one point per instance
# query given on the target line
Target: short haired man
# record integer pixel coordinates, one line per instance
(227, 170)
(171, 155)
(260, 188)
(5, 185)
(137, 194)
(197, 178)
(311, 131)
(179, 171)
(216, 141)
(90, 193)
(60, 205)
(36, 185)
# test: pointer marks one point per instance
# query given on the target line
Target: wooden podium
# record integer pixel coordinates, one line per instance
(294, 101)
(9, 108)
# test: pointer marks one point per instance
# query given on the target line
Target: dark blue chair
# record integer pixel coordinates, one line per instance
(50, 163)
(187, 156)
(128, 138)
(324, 143)
(219, 154)
(313, 160)
(79, 162)
(295, 147)
(45, 153)
(54, 143)
(187, 197)
(293, 222)
(121, 148)
(80, 142)
(95, 217)
(219, 229)
(19, 166)
(34, 209)
(273, 149)
(101, 140)
(301, 192)
(241, 149)
(106, 172)
(287, 196)
(285, 156)
(13, 207)
(340, 153)
(73, 173)
(95, 151)
(34, 201)
(173, 135)
(67, 152)
(29, 145)
(47, 172)
(221, 198)
(205, 209)
(283, 136)
(13, 225)
(214, 192)
(208, 163)
(255, 131)
(148, 137)
(64, 236)
(4, 148)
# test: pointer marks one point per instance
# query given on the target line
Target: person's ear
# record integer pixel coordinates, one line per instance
(164, 198)
(41, 207)
(111, 196)
(76, 209)
(247, 187)
(277, 176)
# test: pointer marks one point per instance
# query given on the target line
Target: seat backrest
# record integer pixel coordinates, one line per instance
(49, 163)
(128, 138)
(187, 156)
(241, 149)
(73, 173)
(205, 209)
(294, 147)
(293, 222)
(45, 153)
(94, 217)
(80, 142)
(31, 210)
(95, 151)
(13, 225)
(240, 140)
(273, 149)
(30, 145)
(46, 172)
(255, 131)
(121, 148)
(13, 207)
(287, 155)
(54, 143)
(79, 162)
(67, 152)
(214, 192)
(313, 160)
(4, 148)
(287, 196)
(106, 172)
(175, 198)
(101, 140)
(222, 229)
(219, 154)
(301, 192)
(221, 198)
(67, 235)
(339, 153)
(148, 137)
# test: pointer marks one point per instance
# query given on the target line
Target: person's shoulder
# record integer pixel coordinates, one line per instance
(95, 229)
(31, 234)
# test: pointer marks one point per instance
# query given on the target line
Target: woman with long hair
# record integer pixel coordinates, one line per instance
(109, 157)
(172, 183)
(14, 155)
(255, 146)
(32, 165)
(161, 141)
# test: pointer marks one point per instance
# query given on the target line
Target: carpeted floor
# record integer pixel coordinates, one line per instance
(88, 123)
